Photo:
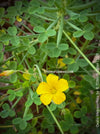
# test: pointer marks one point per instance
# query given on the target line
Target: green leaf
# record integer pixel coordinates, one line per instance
(62, 105)
(13, 78)
(74, 17)
(51, 45)
(29, 103)
(11, 12)
(23, 124)
(18, 5)
(36, 98)
(51, 32)
(66, 76)
(48, 116)
(34, 121)
(15, 41)
(4, 114)
(77, 114)
(32, 9)
(25, 84)
(88, 27)
(11, 113)
(53, 106)
(19, 93)
(11, 97)
(72, 51)
(64, 125)
(5, 106)
(16, 120)
(82, 63)
(68, 60)
(40, 10)
(12, 31)
(71, 84)
(13, 65)
(84, 120)
(98, 18)
(63, 46)
(32, 50)
(54, 53)
(26, 41)
(74, 129)
(51, 129)
(90, 79)
(88, 35)
(1, 46)
(73, 67)
(37, 101)
(2, 10)
(28, 117)
(1, 56)
(10, 91)
(5, 38)
(78, 33)
(43, 37)
(33, 79)
(39, 29)
(60, 31)
(83, 18)
(84, 109)
(68, 117)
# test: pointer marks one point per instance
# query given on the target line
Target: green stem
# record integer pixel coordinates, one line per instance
(7, 87)
(41, 63)
(25, 112)
(84, 6)
(39, 71)
(48, 106)
(7, 126)
(59, 37)
(81, 53)
(52, 24)
(55, 120)
(83, 47)
(5, 81)
(27, 28)
(43, 17)
(21, 30)
(50, 9)
(16, 102)
(73, 26)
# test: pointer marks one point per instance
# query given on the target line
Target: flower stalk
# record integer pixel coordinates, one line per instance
(81, 53)
(56, 121)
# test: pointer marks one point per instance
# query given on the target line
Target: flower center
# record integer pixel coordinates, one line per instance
(53, 90)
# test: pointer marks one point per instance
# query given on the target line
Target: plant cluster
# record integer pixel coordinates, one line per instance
(46, 80)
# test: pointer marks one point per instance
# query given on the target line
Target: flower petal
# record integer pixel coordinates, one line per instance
(46, 98)
(62, 85)
(52, 80)
(43, 88)
(59, 97)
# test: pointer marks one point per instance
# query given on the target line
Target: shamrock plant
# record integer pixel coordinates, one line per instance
(49, 67)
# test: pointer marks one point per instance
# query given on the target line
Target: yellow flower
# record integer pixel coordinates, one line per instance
(27, 75)
(73, 39)
(3, 31)
(78, 100)
(18, 19)
(77, 93)
(61, 63)
(52, 90)
(40, 132)
(73, 104)
(7, 73)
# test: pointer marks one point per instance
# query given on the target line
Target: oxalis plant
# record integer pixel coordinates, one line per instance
(49, 80)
